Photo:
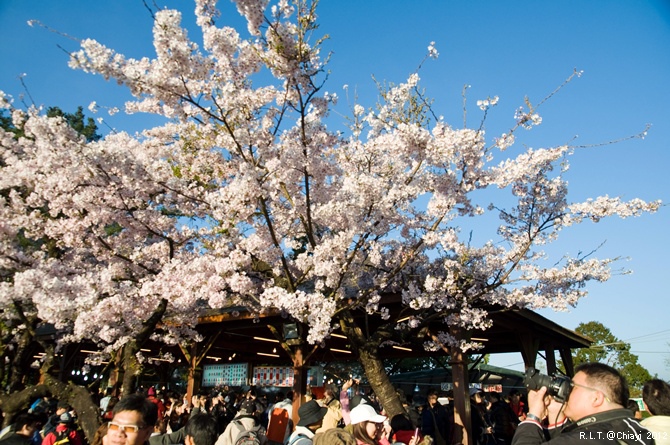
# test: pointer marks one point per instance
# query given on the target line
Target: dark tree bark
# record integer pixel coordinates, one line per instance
(368, 353)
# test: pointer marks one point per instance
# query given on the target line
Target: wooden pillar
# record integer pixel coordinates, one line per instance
(566, 356)
(529, 348)
(550, 354)
(299, 382)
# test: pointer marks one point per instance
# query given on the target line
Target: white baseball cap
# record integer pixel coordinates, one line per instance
(365, 413)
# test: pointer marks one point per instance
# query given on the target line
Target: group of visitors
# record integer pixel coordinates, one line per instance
(596, 410)
(47, 422)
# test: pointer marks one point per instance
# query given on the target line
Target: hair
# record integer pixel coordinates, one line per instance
(400, 422)
(656, 394)
(63, 404)
(633, 406)
(24, 419)
(161, 425)
(99, 434)
(202, 429)
(493, 396)
(360, 433)
(139, 403)
(608, 379)
(334, 436)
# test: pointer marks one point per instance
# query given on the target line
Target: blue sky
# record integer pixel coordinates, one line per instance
(505, 48)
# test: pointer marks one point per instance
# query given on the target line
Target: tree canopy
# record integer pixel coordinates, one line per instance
(609, 349)
(245, 197)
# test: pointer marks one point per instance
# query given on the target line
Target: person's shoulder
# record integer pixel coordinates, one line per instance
(656, 421)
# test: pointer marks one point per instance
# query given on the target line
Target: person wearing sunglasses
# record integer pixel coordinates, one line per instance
(133, 421)
(594, 412)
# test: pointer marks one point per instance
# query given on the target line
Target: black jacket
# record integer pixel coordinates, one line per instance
(615, 427)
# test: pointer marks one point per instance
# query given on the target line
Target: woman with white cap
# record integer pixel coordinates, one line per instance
(368, 427)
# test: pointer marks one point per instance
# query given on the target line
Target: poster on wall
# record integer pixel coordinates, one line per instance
(282, 376)
(234, 374)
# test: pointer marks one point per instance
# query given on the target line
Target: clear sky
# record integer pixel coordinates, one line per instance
(507, 48)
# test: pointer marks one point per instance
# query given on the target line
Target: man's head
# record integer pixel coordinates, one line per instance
(62, 407)
(133, 421)
(311, 415)
(247, 408)
(431, 398)
(26, 424)
(200, 430)
(595, 388)
(515, 396)
(66, 418)
(656, 397)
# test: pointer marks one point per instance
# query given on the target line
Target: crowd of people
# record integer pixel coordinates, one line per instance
(597, 410)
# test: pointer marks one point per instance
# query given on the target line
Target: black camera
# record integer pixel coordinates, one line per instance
(558, 386)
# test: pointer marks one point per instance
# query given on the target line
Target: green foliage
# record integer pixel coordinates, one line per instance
(608, 349)
(82, 125)
(7, 125)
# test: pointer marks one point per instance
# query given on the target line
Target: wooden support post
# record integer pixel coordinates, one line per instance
(551, 360)
(529, 348)
(299, 382)
(566, 356)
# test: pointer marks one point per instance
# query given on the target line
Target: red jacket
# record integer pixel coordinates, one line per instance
(159, 405)
(405, 436)
(75, 438)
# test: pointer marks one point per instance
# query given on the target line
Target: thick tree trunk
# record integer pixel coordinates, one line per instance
(88, 412)
(368, 353)
(131, 368)
(379, 381)
(16, 373)
(14, 402)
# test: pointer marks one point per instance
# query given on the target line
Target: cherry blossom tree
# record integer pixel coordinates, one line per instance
(246, 197)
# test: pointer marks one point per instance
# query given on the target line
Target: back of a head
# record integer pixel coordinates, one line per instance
(334, 436)
(633, 406)
(202, 429)
(607, 378)
(656, 394)
(137, 402)
(400, 422)
(25, 419)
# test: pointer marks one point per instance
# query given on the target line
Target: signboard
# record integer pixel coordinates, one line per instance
(446, 386)
(234, 374)
(283, 376)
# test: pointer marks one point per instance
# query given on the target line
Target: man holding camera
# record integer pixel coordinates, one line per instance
(588, 408)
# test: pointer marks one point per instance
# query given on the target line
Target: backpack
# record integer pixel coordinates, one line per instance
(62, 438)
(277, 425)
(296, 438)
(253, 436)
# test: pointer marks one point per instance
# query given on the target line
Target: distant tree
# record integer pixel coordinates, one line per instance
(609, 349)
(81, 124)
(77, 121)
